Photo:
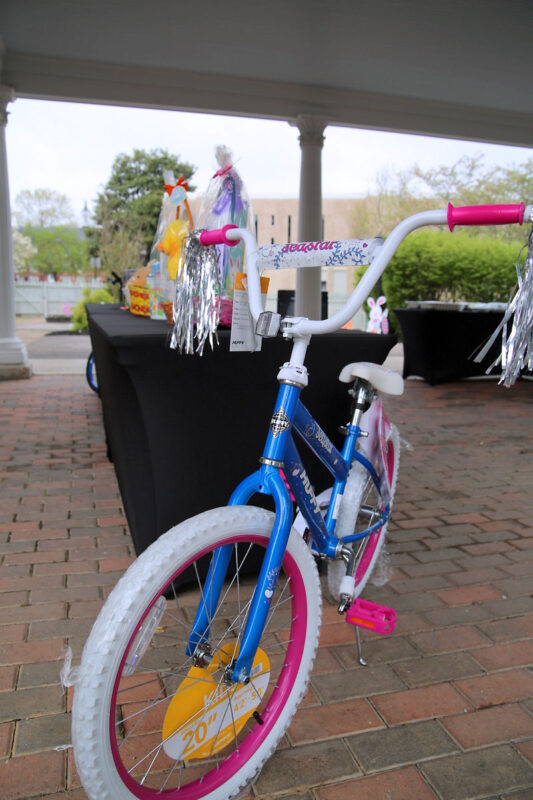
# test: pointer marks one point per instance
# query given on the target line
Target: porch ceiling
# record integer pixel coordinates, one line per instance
(458, 69)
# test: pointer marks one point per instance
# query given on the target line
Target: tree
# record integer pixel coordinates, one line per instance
(59, 250)
(43, 208)
(23, 250)
(131, 199)
(395, 198)
(120, 250)
(467, 182)
(476, 263)
(470, 182)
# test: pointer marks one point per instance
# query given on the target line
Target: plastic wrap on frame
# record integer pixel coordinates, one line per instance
(197, 298)
(352, 253)
(517, 343)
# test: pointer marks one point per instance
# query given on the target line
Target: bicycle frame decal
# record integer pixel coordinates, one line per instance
(279, 423)
(319, 443)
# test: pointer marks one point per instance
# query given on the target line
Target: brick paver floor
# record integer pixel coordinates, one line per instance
(444, 709)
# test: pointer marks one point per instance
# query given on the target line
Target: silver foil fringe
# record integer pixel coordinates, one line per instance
(517, 344)
(196, 309)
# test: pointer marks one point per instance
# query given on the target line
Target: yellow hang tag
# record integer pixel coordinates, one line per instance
(243, 336)
(205, 714)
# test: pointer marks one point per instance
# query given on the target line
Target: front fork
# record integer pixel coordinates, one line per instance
(267, 480)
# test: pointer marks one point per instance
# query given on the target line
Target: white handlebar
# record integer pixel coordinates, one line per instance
(305, 327)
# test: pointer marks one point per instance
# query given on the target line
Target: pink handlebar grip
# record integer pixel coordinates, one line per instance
(485, 215)
(218, 237)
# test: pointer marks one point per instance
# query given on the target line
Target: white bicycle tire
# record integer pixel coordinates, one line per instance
(112, 631)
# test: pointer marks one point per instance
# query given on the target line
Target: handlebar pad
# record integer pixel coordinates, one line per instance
(353, 252)
(218, 237)
(485, 215)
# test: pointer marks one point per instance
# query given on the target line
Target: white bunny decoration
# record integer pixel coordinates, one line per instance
(378, 322)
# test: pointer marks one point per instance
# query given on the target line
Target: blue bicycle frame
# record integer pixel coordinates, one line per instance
(281, 466)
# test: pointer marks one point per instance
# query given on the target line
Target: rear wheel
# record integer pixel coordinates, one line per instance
(360, 508)
(150, 721)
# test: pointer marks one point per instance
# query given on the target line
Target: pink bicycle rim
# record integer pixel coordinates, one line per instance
(276, 703)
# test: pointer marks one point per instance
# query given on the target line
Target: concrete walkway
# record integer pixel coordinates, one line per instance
(443, 711)
(50, 353)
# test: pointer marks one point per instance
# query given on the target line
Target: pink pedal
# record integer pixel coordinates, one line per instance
(372, 616)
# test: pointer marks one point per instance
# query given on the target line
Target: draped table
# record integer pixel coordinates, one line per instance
(440, 342)
(183, 430)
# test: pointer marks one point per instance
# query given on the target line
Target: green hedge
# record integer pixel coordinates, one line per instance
(437, 265)
(79, 312)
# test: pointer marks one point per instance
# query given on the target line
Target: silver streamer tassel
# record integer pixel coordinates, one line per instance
(196, 308)
(517, 345)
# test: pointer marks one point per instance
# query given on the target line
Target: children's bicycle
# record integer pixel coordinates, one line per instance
(202, 652)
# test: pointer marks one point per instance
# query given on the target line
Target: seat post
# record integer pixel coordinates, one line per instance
(363, 394)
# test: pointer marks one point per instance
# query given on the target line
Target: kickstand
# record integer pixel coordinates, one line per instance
(359, 648)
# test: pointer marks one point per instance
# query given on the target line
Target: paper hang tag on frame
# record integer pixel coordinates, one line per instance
(243, 336)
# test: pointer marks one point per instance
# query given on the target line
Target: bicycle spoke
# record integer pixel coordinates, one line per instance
(231, 627)
(234, 727)
(278, 603)
(233, 580)
(169, 636)
(237, 573)
(138, 685)
(149, 768)
(160, 744)
(143, 712)
(200, 586)
(179, 621)
(170, 774)
(230, 697)
(253, 686)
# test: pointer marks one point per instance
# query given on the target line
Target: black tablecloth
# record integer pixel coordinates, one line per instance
(440, 346)
(184, 430)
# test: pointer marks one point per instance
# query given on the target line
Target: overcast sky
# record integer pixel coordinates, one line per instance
(70, 148)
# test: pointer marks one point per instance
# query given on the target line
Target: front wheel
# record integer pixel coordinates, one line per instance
(148, 721)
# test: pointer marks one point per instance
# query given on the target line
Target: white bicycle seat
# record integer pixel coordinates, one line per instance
(381, 378)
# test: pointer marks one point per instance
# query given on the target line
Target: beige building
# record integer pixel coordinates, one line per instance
(276, 222)
(277, 219)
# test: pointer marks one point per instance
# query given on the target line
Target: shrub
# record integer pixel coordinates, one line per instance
(434, 265)
(79, 313)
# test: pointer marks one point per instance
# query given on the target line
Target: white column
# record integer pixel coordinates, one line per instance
(308, 281)
(13, 354)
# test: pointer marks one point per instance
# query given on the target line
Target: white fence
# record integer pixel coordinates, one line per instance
(46, 299)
